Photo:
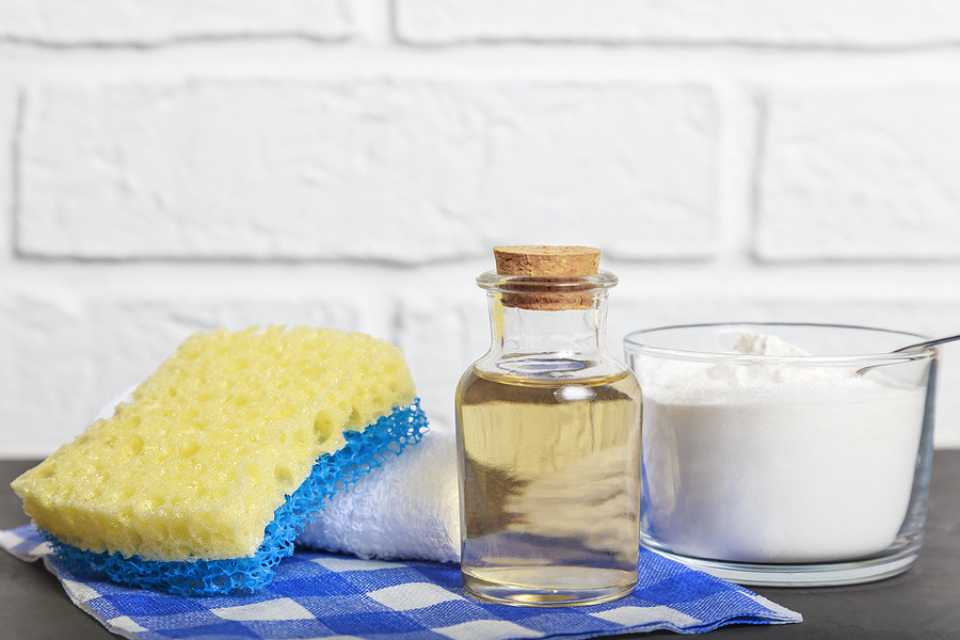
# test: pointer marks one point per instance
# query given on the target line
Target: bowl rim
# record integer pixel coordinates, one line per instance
(633, 343)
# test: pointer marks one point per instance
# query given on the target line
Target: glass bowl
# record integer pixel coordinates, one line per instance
(769, 465)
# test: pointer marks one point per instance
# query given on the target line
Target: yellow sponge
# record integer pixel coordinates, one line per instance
(197, 463)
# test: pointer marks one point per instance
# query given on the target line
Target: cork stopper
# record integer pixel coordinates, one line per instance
(549, 262)
(544, 261)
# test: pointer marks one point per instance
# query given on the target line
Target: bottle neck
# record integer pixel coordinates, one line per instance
(580, 332)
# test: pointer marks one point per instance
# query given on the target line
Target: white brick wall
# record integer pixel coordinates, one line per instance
(437, 160)
(850, 174)
(781, 22)
(169, 167)
(141, 22)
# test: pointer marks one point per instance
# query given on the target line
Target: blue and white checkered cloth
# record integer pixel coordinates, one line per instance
(319, 595)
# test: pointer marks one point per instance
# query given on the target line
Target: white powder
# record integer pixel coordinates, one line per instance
(775, 463)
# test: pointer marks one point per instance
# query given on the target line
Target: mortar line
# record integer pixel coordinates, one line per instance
(170, 42)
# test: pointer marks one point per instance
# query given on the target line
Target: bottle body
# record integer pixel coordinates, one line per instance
(550, 487)
(549, 441)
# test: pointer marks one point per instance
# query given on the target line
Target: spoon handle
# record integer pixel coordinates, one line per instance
(927, 343)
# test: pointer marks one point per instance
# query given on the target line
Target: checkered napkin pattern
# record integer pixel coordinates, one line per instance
(319, 595)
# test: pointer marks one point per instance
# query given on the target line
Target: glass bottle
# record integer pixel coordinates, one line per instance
(548, 434)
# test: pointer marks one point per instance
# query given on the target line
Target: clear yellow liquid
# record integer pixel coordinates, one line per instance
(551, 487)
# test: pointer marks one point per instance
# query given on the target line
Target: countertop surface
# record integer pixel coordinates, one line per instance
(923, 603)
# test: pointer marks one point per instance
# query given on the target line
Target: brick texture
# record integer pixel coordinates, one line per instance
(144, 22)
(860, 174)
(397, 171)
(818, 22)
(46, 379)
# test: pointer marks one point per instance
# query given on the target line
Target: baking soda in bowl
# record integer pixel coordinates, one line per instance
(776, 463)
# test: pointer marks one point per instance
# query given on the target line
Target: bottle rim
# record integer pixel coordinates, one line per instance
(493, 281)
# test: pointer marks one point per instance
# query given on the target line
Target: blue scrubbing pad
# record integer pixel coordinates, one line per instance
(332, 473)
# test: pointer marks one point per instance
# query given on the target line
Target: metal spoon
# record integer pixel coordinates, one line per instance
(926, 344)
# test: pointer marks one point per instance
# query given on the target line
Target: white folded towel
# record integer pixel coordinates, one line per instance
(406, 509)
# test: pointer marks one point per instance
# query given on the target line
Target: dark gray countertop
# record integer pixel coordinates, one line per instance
(923, 603)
